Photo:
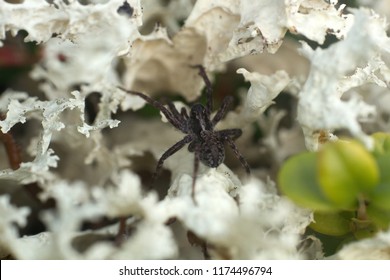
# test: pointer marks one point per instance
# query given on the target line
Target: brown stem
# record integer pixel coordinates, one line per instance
(15, 159)
(362, 209)
(12, 149)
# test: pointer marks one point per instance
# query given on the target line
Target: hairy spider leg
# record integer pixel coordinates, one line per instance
(222, 110)
(171, 117)
(174, 111)
(184, 113)
(195, 173)
(209, 88)
(179, 116)
(237, 153)
(176, 147)
(229, 135)
(232, 133)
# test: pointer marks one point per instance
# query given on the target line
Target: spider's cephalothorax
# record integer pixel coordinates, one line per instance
(203, 140)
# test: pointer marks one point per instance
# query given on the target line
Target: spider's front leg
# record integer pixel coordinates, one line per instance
(173, 117)
(222, 110)
(209, 88)
(169, 153)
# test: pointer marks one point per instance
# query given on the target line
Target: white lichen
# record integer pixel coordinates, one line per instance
(11, 218)
(375, 248)
(320, 105)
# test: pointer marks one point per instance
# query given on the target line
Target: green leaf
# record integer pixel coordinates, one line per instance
(364, 233)
(381, 143)
(383, 162)
(346, 169)
(334, 224)
(380, 196)
(380, 217)
(297, 179)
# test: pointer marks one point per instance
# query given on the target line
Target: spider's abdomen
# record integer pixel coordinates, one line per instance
(212, 154)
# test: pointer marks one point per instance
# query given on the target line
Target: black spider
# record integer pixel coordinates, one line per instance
(203, 140)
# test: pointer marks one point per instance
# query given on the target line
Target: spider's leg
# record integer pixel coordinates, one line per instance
(169, 115)
(176, 147)
(184, 113)
(223, 110)
(229, 135)
(174, 111)
(232, 133)
(209, 88)
(194, 174)
(178, 116)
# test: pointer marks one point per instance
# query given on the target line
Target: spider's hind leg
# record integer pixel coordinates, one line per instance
(237, 153)
(229, 135)
(194, 174)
